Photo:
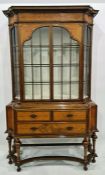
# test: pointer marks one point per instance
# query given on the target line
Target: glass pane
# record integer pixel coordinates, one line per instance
(36, 74)
(17, 75)
(45, 74)
(85, 36)
(16, 81)
(74, 73)
(27, 55)
(17, 54)
(45, 55)
(46, 91)
(66, 55)
(36, 55)
(28, 74)
(86, 73)
(66, 91)
(85, 55)
(15, 58)
(14, 37)
(27, 43)
(73, 42)
(57, 91)
(44, 36)
(28, 91)
(37, 91)
(89, 36)
(87, 58)
(36, 37)
(66, 37)
(85, 90)
(57, 55)
(57, 74)
(57, 35)
(74, 55)
(74, 90)
(66, 73)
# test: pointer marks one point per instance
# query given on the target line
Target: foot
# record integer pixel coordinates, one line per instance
(10, 161)
(18, 169)
(85, 168)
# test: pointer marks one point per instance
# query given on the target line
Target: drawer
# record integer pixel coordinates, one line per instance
(69, 116)
(33, 116)
(51, 128)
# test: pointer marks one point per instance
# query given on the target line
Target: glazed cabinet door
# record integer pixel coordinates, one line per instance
(37, 65)
(51, 65)
(65, 65)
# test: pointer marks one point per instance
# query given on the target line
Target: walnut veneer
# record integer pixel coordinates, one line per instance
(52, 112)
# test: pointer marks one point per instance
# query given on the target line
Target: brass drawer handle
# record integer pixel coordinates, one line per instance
(69, 128)
(33, 128)
(70, 115)
(33, 115)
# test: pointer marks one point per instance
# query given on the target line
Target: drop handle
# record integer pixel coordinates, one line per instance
(70, 115)
(33, 128)
(33, 115)
(69, 128)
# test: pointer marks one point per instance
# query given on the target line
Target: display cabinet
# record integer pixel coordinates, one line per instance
(51, 79)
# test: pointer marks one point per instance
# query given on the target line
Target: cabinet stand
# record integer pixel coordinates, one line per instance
(89, 153)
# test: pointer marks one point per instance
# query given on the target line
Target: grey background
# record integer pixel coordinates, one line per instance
(98, 95)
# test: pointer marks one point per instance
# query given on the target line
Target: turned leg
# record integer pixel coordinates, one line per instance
(14, 152)
(85, 144)
(89, 145)
(9, 138)
(94, 155)
(13, 148)
(18, 161)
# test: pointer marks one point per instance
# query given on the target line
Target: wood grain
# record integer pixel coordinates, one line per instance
(70, 116)
(50, 128)
(33, 116)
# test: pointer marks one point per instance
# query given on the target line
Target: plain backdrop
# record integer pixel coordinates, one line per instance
(97, 91)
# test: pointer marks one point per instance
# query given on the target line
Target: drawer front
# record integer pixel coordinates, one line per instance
(33, 116)
(51, 128)
(70, 116)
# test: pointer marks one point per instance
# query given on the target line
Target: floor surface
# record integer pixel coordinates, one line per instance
(53, 167)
